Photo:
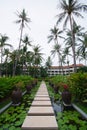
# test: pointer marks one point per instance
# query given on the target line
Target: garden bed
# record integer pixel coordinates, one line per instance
(70, 119)
(14, 116)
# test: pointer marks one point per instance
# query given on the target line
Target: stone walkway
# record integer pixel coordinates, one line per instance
(41, 114)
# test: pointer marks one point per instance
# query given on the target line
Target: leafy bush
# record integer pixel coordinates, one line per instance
(7, 84)
(13, 117)
(71, 120)
(78, 85)
(58, 82)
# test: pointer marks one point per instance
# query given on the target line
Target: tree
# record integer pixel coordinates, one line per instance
(23, 20)
(27, 43)
(70, 9)
(66, 52)
(48, 63)
(55, 33)
(83, 47)
(7, 54)
(36, 59)
(3, 43)
(57, 50)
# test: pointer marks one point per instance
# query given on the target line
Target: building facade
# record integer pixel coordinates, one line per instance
(65, 70)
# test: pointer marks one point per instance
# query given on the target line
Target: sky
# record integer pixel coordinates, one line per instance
(43, 17)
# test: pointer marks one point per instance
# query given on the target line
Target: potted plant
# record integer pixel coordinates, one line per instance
(66, 95)
(16, 96)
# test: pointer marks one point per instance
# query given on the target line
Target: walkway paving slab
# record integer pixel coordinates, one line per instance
(40, 123)
(41, 103)
(41, 99)
(39, 95)
(41, 111)
(42, 93)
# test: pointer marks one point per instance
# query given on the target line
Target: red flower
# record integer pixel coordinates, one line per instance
(65, 86)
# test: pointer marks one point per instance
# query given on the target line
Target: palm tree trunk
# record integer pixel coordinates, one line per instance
(73, 45)
(20, 37)
(18, 56)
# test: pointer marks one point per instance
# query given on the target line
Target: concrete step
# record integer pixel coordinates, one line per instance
(41, 99)
(40, 123)
(41, 111)
(41, 103)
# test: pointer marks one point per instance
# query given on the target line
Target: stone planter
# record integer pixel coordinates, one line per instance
(28, 88)
(16, 96)
(66, 97)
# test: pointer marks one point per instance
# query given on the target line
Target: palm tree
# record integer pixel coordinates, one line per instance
(83, 47)
(57, 50)
(77, 32)
(70, 8)
(48, 63)
(66, 52)
(36, 59)
(62, 60)
(3, 40)
(7, 54)
(27, 43)
(23, 20)
(55, 33)
(13, 59)
(36, 55)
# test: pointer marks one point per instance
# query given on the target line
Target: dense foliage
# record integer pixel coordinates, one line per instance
(13, 118)
(7, 84)
(78, 85)
(71, 120)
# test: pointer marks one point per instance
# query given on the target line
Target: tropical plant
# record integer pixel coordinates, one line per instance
(23, 20)
(7, 54)
(70, 8)
(55, 33)
(83, 47)
(57, 50)
(48, 63)
(3, 43)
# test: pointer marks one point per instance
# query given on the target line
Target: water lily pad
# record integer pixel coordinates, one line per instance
(12, 128)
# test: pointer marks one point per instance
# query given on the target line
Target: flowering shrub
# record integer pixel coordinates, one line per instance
(65, 86)
(78, 85)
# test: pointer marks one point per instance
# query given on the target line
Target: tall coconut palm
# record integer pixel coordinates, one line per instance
(57, 50)
(7, 54)
(27, 43)
(83, 47)
(48, 63)
(36, 55)
(3, 43)
(55, 33)
(78, 55)
(13, 59)
(77, 32)
(23, 20)
(36, 59)
(66, 53)
(70, 9)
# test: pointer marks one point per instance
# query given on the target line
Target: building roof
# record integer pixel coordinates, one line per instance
(65, 67)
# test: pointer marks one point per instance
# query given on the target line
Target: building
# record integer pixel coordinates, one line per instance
(65, 70)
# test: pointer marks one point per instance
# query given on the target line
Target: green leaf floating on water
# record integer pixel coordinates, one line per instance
(18, 123)
(12, 128)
